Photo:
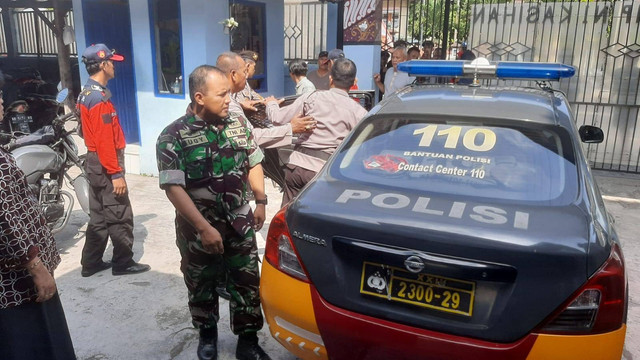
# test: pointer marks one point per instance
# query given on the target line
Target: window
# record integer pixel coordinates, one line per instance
(167, 47)
(251, 34)
(512, 164)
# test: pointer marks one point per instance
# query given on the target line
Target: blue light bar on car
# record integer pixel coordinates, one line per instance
(529, 70)
(482, 68)
(433, 67)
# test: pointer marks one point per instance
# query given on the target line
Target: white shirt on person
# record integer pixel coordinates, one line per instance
(396, 80)
(304, 86)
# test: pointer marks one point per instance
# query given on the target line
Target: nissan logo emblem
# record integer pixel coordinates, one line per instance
(414, 264)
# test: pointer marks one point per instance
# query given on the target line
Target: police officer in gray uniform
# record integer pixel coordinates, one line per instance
(335, 114)
(270, 137)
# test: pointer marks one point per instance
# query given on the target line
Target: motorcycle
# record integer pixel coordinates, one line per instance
(32, 101)
(45, 156)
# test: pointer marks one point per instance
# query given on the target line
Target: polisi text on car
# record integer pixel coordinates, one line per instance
(480, 213)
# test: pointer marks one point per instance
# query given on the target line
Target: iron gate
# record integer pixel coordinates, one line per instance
(599, 38)
(304, 30)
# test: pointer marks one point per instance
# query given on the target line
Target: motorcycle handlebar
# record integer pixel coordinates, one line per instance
(60, 120)
(68, 116)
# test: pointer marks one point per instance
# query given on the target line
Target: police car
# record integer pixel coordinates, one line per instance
(455, 222)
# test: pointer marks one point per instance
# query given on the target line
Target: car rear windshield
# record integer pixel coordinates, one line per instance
(496, 160)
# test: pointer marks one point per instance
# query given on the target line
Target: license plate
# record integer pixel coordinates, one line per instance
(425, 290)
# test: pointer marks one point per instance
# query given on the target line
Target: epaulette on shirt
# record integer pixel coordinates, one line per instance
(92, 95)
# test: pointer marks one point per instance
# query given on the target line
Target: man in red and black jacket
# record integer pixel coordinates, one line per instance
(111, 215)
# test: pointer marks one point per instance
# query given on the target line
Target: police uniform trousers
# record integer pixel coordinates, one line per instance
(111, 217)
(35, 331)
(295, 178)
(203, 271)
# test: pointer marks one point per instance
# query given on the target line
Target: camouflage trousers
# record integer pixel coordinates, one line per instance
(202, 272)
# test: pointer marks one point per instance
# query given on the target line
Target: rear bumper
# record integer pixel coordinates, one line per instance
(348, 335)
(311, 328)
(601, 346)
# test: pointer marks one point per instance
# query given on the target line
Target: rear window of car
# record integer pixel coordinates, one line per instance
(476, 158)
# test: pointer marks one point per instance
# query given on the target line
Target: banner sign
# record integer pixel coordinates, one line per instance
(362, 19)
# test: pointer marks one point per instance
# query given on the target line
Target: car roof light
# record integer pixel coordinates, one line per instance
(542, 71)
(433, 67)
(483, 68)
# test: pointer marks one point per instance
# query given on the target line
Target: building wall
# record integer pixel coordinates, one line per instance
(367, 60)
(202, 41)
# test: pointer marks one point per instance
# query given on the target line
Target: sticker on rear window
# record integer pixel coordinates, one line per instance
(390, 164)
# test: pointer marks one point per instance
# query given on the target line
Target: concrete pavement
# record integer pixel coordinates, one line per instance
(145, 316)
(142, 316)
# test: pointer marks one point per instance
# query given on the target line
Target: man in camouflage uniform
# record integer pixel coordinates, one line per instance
(206, 159)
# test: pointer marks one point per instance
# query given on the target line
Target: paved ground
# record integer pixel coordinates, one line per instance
(141, 316)
(146, 317)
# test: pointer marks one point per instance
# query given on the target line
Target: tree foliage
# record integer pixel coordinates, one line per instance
(426, 20)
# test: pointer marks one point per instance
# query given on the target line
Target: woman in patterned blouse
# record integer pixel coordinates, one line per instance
(32, 322)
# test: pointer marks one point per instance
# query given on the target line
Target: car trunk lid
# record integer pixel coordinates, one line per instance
(452, 265)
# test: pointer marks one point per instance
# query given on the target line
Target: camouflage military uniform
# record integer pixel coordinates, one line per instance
(211, 161)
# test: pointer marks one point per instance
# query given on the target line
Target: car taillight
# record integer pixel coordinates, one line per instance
(280, 251)
(600, 304)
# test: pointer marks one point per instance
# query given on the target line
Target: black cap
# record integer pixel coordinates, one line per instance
(323, 53)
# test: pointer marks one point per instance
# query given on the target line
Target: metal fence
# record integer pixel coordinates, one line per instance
(3, 38)
(32, 35)
(304, 30)
(599, 38)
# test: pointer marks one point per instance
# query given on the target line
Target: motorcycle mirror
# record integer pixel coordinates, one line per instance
(62, 95)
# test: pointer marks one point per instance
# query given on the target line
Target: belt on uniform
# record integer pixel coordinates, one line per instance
(118, 151)
(319, 154)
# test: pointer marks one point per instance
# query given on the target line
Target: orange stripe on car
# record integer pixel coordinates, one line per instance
(601, 346)
(284, 297)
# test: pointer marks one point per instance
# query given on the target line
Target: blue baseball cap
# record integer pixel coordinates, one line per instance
(335, 54)
(100, 52)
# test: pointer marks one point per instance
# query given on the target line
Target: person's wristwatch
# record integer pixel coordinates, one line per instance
(262, 201)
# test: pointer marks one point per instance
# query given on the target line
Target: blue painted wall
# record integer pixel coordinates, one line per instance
(203, 40)
(332, 26)
(275, 46)
(367, 60)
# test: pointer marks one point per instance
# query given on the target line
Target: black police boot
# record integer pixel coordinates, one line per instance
(133, 268)
(89, 271)
(208, 344)
(248, 348)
